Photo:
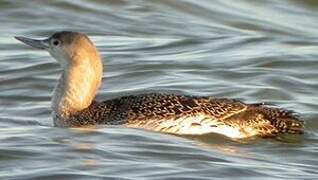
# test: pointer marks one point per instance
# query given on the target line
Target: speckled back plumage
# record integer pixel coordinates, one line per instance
(181, 114)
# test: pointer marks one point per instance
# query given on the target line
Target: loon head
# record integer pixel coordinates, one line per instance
(82, 69)
(68, 48)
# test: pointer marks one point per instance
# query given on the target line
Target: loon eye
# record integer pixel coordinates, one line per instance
(56, 42)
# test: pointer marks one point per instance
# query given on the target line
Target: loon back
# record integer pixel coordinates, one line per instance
(188, 115)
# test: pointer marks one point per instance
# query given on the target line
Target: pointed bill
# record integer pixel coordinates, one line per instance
(39, 44)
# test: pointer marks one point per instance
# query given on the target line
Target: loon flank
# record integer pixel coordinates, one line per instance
(73, 103)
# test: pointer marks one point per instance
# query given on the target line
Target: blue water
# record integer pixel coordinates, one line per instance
(256, 51)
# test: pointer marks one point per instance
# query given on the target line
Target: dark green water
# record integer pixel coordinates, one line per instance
(256, 51)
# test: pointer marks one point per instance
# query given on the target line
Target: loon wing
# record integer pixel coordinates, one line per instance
(181, 114)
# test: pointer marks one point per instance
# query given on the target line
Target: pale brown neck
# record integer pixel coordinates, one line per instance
(77, 87)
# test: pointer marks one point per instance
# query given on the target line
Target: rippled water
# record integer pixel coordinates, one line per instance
(251, 50)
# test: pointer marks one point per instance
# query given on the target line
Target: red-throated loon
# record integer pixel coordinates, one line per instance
(73, 101)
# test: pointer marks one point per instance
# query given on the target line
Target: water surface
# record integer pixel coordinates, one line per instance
(256, 51)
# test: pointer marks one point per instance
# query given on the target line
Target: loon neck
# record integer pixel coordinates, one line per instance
(77, 87)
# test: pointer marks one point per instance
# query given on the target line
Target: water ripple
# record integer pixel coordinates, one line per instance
(257, 51)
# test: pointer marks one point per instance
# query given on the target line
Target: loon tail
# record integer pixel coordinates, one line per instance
(283, 121)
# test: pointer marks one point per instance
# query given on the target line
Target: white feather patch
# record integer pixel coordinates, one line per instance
(190, 125)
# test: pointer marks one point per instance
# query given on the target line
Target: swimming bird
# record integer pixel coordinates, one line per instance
(74, 104)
